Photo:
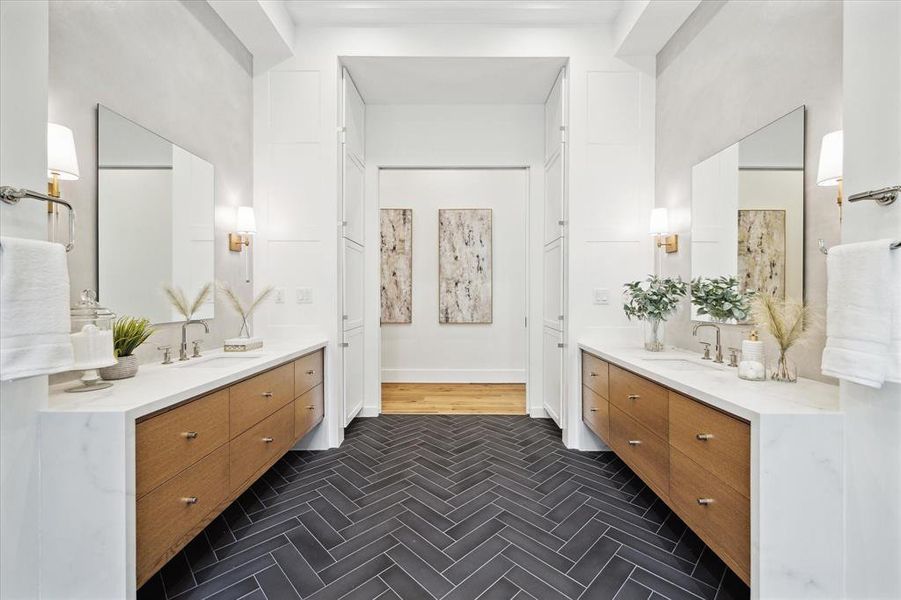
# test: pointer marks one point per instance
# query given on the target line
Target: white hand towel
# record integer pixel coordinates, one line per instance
(859, 312)
(34, 309)
(893, 369)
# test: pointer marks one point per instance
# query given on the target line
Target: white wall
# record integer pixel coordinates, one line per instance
(455, 135)
(611, 159)
(872, 159)
(425, 350)
(176, 69)
(732, 68)
(23, 163)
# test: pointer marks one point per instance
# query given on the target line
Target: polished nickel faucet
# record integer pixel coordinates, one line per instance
(183, 351)
(719, 347)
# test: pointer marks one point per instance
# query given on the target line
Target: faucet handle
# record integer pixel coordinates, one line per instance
(197, 344)
(167, 354)
(733, 356)
(706, 350)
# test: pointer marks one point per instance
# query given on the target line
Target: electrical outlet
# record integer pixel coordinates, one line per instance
(601, 296)
(305, 295)
(279, 295)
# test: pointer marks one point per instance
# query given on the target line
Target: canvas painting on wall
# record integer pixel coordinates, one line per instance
(396, 226)
(464, 265)
(761, 251)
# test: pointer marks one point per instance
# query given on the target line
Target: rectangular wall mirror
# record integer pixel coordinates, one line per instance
(747, 212)
(154, 220)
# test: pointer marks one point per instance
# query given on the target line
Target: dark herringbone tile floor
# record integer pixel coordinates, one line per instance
(447, 507)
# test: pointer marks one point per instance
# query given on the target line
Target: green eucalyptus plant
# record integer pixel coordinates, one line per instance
(720, 298)
(654, 299)
(128, 334)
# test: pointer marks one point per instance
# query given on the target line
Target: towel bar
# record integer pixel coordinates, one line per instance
(11, 195)
(822, 245)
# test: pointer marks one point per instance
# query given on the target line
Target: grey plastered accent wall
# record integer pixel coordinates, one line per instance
(732, 68)
(175, 68)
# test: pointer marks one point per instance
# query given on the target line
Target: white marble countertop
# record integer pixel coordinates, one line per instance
(719, 385)
(158, 386)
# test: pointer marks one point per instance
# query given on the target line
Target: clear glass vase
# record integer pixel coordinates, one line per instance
(785, 370)
(653, 335)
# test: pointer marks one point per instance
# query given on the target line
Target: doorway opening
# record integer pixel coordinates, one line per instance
(454, 149)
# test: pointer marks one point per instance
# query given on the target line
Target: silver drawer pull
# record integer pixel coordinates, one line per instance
(190, 435)
(705, 501)
(311, 408)
(635, 442)
(593, 409)
(266, 394)
(704, 436)
(633, 396)
(190, 500)
(593, 374)
(268, 440)
(311, 372)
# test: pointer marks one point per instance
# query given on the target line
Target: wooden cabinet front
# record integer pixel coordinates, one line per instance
(256, 398)
(641, 449)
(307, 372)
(260, 445)
(596, 413)
(171, 441)
(308, 411)
(641, 399)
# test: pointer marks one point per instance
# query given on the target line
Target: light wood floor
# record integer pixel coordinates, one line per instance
(454, 398)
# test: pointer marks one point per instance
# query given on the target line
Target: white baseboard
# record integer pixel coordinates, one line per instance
(539, 413)
(453, 376)
(369, 411)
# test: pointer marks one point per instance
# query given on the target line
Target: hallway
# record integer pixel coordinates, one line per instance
(453, 507)
(454, 398)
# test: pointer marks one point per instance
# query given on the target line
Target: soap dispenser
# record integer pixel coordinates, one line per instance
(752, 366)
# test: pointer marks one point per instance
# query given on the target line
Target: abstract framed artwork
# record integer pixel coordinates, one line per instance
(396, 226)
(761, 251)
(464, 266)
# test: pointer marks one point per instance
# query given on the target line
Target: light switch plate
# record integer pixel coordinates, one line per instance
(305, 295)
(601, 296)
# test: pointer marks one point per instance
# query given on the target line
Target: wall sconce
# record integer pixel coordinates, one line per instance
(659, 228)
(245, 228)
(829, 172)
(62, 163)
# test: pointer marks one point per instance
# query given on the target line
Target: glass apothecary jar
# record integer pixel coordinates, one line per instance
(92, 341)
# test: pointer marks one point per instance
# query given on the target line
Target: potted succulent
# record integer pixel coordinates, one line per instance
(652, 301)
(128, 334)
(720, 298)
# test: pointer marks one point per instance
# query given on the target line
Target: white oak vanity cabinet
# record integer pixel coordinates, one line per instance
(194, 459)
(753, 468)
(132, 473)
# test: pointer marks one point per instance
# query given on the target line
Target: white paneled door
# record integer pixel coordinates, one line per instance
(352, 246)
(554, 280)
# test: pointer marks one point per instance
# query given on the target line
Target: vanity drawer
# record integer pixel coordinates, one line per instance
(719, 443)
(596, 413)
(643, 400)
(171, 512)
(169, 442)
(715, 511)
(261, 445)
(595, 374)
(308, 411)
(307, 372)
(256, 398)
(640, 449)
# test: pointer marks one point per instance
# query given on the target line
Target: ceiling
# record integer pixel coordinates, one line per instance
(489, 12)
(402, 80)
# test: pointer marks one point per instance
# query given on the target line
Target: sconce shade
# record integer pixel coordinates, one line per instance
(61, 158)
(830, 167)
(659, 222)
(245, 223)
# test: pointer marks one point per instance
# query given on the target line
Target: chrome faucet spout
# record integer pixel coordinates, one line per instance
(719, 346)
(183, 350)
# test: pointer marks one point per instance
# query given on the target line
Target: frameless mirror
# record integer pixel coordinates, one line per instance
(154, 220)
(747, 212)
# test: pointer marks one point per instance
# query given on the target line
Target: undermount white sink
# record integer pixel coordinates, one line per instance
(218, 362)
(681, 363)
